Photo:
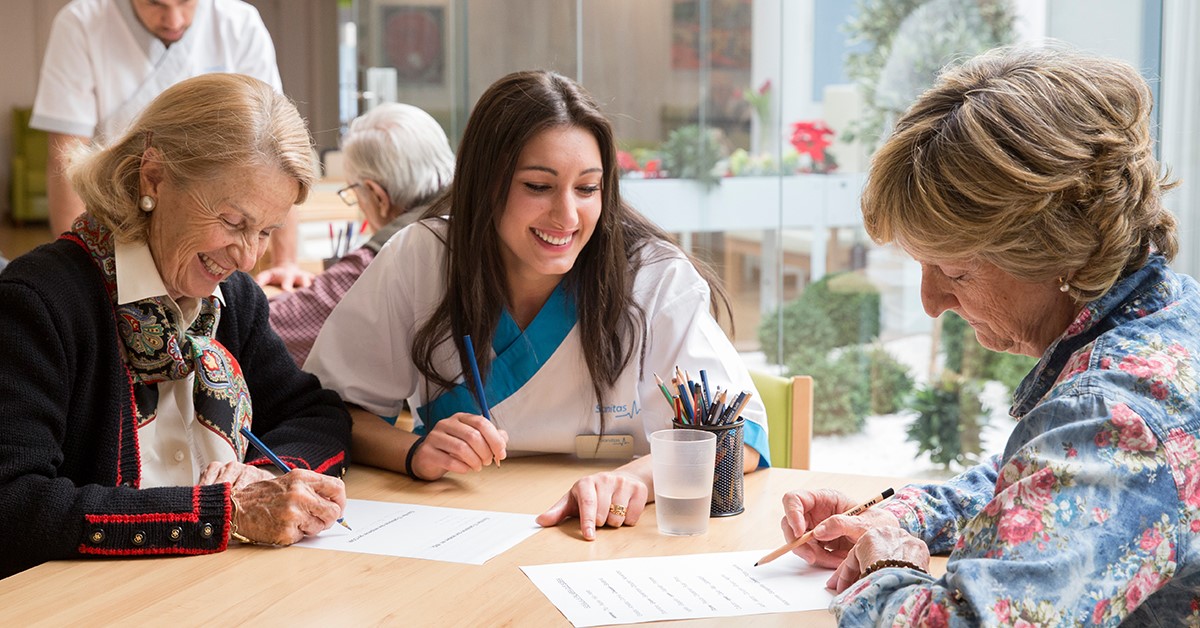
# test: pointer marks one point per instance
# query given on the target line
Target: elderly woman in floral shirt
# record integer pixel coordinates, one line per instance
(1024, 182)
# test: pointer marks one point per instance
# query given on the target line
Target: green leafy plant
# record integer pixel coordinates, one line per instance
(840, 398)
(743, 164)
(949, 420)
(908, 42)
(838, 310)
(826, 333)
(851, 384)
(690, 153)
(891, 384)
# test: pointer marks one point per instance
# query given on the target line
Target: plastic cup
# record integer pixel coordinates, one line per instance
(682, 463)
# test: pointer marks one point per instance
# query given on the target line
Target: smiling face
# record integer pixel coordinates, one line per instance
(1007, 314)
(553, 204)
(167, 20)
(200, 234)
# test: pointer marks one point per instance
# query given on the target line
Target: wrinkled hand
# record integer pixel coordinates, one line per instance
(287, 276)
(834, 534)
(286, 509)
(238, 475)
(461, 443)
(878, 544)
(591, 497)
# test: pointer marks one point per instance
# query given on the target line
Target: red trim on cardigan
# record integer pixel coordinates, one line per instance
(161, 517)
(338, 459)
(133, 419)
(154, 551)
(133, 413)
(228, 514)
(151, 517)
(74, 238)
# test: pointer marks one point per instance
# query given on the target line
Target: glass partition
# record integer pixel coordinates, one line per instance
(746, 128)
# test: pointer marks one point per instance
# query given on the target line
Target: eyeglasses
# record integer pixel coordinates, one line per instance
(347, 195)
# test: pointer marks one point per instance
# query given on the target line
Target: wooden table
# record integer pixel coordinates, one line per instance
(254, 585)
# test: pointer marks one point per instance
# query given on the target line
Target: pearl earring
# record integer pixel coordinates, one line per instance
(1065, 287)
(147, 203)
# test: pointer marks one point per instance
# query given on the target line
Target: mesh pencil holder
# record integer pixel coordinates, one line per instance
(728, 478)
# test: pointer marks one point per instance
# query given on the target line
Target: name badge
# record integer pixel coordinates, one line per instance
(607, 446)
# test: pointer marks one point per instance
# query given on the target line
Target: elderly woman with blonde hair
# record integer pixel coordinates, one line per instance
(1025, 184)
(135, 349)
(398, 160)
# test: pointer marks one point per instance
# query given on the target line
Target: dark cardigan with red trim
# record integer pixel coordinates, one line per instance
(69, 463)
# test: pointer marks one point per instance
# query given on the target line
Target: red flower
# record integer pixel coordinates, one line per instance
(811, 138)
(1019, 525)
(626, 161)
(1150, 539)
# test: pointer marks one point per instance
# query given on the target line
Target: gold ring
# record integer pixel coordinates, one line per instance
(617, 510)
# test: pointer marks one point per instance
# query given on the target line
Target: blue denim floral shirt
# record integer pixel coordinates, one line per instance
(1091, 516)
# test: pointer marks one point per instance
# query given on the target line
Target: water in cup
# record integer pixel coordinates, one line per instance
(682, 516)
(682, 462)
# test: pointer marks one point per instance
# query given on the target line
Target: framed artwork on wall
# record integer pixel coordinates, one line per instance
(414, 37)
(729, 34)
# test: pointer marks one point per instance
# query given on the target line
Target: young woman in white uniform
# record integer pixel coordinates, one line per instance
(573, 300)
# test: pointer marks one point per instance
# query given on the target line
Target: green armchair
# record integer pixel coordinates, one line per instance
(789, 404)
(29, 158)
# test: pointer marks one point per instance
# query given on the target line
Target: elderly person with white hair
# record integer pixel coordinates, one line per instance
(397, 161)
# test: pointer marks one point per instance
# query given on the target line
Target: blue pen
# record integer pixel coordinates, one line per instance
(266, 451)
(707, 395)
(483, 404)
(475, 374)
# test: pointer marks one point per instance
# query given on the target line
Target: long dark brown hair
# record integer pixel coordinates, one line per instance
(508, 115)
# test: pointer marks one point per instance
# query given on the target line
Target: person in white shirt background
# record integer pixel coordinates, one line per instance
(107, 59)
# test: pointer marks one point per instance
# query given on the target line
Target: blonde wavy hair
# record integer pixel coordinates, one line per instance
(204, 128)
(1038, 160)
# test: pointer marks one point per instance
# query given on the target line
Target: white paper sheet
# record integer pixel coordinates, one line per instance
(415, 531)
(634, 590)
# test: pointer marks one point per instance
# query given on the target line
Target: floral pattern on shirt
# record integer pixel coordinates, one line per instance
(1092, 514)
(1147, 564)
(1020, 614)
(1183, 451)
(1022, 511)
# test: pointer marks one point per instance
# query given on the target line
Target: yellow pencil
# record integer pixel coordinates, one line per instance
(807, 536)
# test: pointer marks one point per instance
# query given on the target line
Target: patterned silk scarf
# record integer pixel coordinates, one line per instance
(156, 350)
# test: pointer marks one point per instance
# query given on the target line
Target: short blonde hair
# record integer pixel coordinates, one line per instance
(204, 128)
(1038, 160)
(403, 149)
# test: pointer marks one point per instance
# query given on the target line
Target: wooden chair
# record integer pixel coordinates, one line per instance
(789, 403)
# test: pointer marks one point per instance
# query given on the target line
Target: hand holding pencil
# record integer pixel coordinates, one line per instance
(805, 511)
(284, 509)
(462, 442)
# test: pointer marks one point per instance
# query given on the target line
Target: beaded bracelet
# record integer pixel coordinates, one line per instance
(408, 460)
(889, 562)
